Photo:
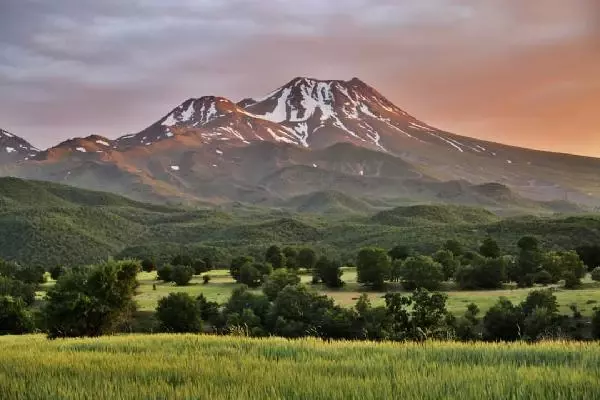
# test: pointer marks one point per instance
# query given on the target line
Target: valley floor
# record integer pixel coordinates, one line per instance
(211, 367)
(221, 285)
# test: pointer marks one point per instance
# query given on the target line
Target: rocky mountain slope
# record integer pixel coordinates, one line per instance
(310, 136)
(13, 148)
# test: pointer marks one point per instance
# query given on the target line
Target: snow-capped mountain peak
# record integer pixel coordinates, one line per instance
(14, 148)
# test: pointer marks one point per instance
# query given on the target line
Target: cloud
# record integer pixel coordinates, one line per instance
(497, 69)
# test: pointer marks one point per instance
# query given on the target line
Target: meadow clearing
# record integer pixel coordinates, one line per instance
(221, 285)
(212, 367)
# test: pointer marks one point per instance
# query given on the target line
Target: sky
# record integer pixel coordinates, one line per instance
(519, 72)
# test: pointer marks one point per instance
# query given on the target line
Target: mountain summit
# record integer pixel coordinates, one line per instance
(306, 136)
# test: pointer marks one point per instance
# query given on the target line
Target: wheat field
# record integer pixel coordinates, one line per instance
(209, 367)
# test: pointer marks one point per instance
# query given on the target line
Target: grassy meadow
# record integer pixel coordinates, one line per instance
(211, 367)
(221, 285)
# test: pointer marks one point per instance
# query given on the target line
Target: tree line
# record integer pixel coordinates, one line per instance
(99, 299)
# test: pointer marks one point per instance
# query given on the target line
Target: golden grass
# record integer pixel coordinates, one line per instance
(208, 367)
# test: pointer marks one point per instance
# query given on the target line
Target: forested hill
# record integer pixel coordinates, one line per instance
(48, 224)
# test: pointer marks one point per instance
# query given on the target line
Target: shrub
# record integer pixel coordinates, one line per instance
(596, 274)
(421, 272)
(182, 275)
(373, 267)
(179, 312)
(15, 319)
(571, 281)
(279, 280)
(165, 273)
(206, 279)
(91, 302)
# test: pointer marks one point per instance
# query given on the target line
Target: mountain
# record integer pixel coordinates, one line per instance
(14, 148)
(313, 136)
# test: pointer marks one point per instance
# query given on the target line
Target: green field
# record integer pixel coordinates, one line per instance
(221, 285)
(210, 367)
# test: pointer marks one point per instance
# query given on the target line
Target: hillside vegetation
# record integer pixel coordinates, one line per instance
(205, 367)
(47, 224)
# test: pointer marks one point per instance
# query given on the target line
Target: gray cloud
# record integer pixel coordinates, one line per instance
(75, 67)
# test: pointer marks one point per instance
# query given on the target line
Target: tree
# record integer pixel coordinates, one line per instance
(247, 311)
(15, 319)
(503, 321)
(466, 326)
(165, 273)
(199, 267)
(399, 253)
(179, 313)
(17, 290)
(596, 274)
(421, 272)
(373, 267)
(236, 266)
(182, 275)
(206, 279)
(209, 310)
(182, 260)
(57, 271)
(484, 273)
(291, 255)
(278, 280)
(307, 258)
(590, 256)
(330, 272)
(540, 299)
(275, 257)
(148, 265)
(540, 312)
(563, 265)
(489, 248)
(27, 274)
(250, 275)
(454, 246)
(448, 262)
(396, 270)
(529, 261)
(429, 315)
(91, 302)
(298, 312)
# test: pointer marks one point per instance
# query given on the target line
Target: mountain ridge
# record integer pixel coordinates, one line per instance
(211, 149)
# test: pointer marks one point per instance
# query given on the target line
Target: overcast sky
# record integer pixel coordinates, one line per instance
(524, 72)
